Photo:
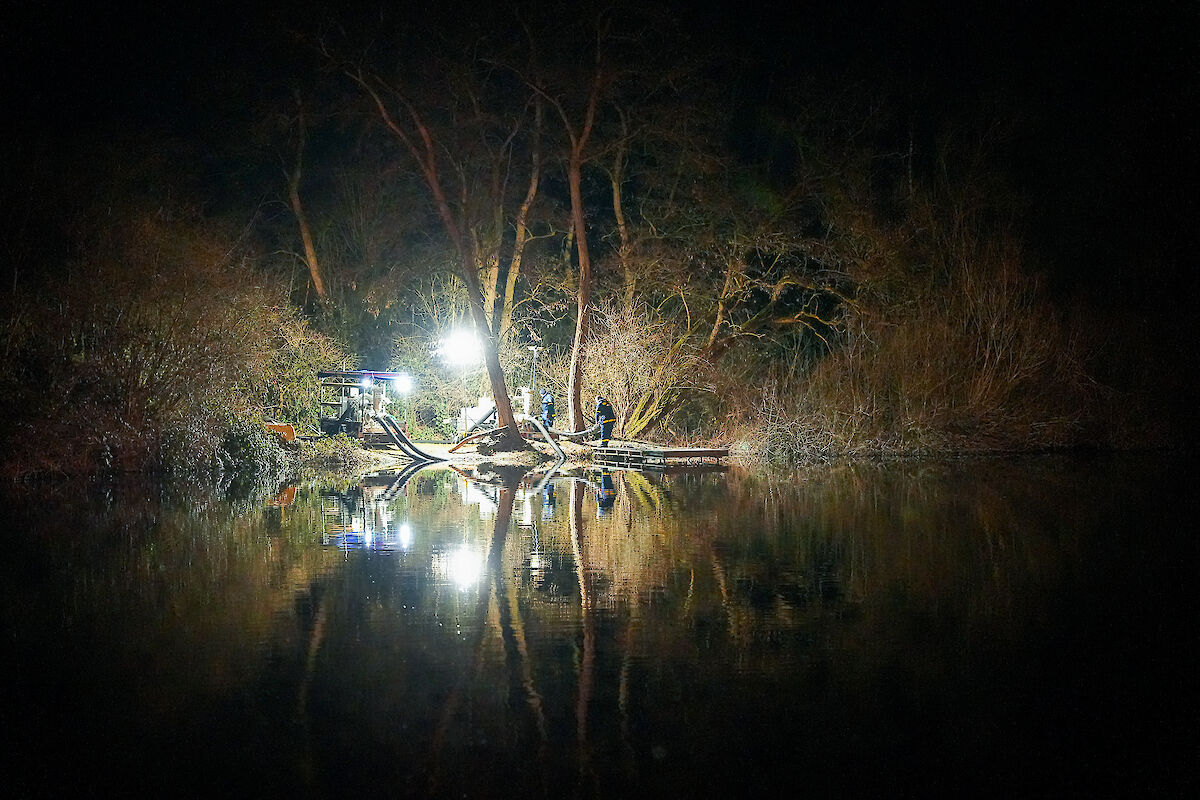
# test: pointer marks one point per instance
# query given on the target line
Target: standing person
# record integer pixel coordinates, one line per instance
(605, 418)
(547, 409)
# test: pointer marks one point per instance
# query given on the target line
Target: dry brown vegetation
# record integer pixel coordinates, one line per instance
(151, 351)
(979, 362)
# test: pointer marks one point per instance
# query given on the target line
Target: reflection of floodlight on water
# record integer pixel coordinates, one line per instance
(461, 348)
(464, 568)
(403, 383)
(405, 533)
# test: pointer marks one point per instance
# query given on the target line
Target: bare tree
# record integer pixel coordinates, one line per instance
(419, 140)
(579, 133)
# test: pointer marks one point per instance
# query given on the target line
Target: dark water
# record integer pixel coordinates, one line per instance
(1009, 628)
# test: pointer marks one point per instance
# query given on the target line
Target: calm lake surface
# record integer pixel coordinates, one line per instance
(1005, 627)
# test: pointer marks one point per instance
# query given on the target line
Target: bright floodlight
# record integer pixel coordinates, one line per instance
(461, 348)
(403, 383)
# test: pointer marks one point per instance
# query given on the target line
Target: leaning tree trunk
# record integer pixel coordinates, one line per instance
(491, 354)
(424, 148)
(579, 142)
(584, 306)
(616, 179)
(310, 250)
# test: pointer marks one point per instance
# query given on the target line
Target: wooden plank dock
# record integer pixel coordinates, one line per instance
(657, 457)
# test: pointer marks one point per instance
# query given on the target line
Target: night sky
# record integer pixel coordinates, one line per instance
(1106, 152)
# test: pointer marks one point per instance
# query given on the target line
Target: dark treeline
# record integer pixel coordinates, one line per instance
(812, 237)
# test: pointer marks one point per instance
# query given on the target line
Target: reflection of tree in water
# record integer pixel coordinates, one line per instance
(797, 558)
(689, 581)
(676, 541)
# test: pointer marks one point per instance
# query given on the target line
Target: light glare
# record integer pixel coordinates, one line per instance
(464, 568)
(461, 348)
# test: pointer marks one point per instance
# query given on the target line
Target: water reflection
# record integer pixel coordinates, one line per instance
(994, 626)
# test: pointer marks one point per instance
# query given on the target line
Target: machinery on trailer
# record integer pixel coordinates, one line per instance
(355, 398)
(358, 401)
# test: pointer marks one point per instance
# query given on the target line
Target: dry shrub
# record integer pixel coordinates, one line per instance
(149, 349)
(633, 354)
(977, 359)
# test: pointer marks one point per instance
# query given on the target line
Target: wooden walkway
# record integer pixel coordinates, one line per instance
(657, 457)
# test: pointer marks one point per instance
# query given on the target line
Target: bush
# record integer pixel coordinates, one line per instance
(149, 352)
(248, 448)
(636, 360)
(977, 360)
(335, 452)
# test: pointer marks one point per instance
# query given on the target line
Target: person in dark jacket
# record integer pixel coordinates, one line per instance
(547, 409)
(606, 418)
